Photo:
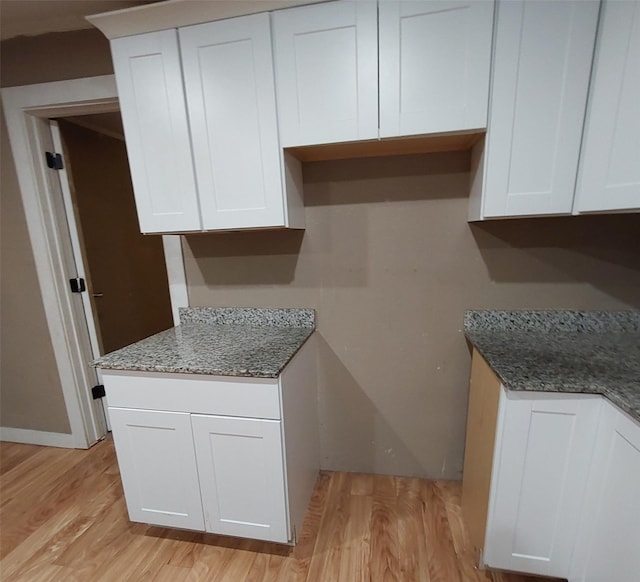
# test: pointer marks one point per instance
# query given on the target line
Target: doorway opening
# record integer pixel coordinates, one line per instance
(126, 276)
(28, 110)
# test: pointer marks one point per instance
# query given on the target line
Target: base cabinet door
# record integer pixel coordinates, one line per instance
(614, 553)
(543, 456)
(158, 467)
(240, 461)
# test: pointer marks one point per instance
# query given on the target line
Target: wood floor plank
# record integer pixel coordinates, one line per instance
(411, 534)
(13, 454)
(384, 564)
(441, 554)
(63, 517)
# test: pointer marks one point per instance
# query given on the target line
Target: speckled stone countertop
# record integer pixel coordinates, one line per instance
(563, 351)
(256, 343)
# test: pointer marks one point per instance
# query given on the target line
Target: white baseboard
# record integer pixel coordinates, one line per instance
(36, 437)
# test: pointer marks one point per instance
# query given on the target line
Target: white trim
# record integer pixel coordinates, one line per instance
(175, 274)
(26, 110)
(36, 437)
(177, 13)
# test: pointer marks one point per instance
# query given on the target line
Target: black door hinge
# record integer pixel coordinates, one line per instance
(54, 161)
(98, 392)
(77, 285)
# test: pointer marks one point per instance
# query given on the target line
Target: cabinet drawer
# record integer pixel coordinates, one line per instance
(195, 393)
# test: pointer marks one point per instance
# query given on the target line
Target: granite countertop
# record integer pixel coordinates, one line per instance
(256, 343)
(563, 351)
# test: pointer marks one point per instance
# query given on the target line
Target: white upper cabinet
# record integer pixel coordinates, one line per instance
(349, 71)
(149, 79)
(434, 66)
(327, 72)
(609, 177)
(228, 78)
(199, 110)
(541, 69)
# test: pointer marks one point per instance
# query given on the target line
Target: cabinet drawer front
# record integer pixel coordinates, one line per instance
(249, 397)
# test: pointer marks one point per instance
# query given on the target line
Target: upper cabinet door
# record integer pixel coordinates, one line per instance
(326, 59)
(435, 60)
(229, 85)
(149, 79)
(542, 63)
(610, 167)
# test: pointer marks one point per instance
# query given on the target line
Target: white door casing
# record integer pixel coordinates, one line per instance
(27, 110)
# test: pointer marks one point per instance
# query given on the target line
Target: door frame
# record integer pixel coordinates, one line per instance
(27, 111)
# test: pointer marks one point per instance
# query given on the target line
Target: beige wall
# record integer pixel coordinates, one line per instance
(30, 391)
(390, 264)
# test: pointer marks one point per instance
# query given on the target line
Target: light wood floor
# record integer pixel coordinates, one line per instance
(63, 518)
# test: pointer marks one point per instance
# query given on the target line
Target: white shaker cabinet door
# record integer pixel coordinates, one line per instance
(543, 455)
(158, 467)
(154, 115)
(542, 63)
(435, 58)
(229, 85)
(242, 476)
(610, 165)
(326, 59)
(614, 552)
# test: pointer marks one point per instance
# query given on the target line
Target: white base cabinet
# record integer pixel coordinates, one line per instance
(543, 451)
(231, 456)
(608, 547)
(551, 482)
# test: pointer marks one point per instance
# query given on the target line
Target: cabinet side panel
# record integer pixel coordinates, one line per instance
(300, 426)
(482, 418)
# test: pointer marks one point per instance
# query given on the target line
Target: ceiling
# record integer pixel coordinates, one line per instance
(33, 17)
